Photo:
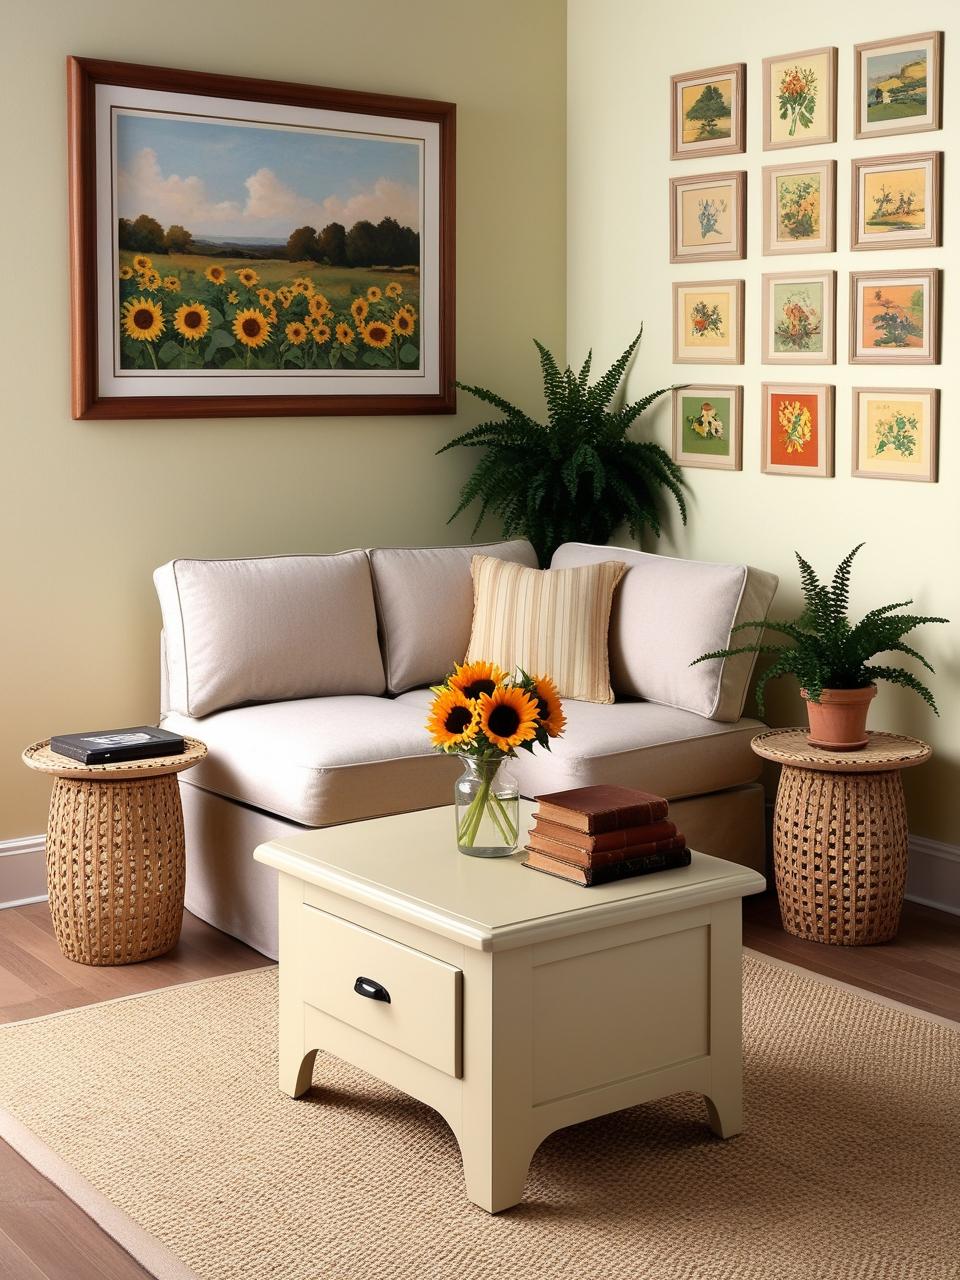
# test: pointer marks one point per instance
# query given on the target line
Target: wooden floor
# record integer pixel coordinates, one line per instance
(44, 1236)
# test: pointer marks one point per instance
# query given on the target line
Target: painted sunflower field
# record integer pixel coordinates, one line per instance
(271, 316)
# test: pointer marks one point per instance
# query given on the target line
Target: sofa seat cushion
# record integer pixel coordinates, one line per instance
(636, 744)
(320, 761)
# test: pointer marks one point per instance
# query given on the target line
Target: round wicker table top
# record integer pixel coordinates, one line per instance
(883, 753)
(39, 756)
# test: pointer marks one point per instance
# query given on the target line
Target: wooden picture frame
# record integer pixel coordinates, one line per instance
(899, 83)
(209, 333)
(690, 91)
(708, 426)
(800, 99)
(895, 433)
(708, 217)
(799, 311)
(800, 208)
(708, 321)
(898, 180)
(796, 429)
(900, 322)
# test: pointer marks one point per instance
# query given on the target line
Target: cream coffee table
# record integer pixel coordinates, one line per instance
(510, 1001)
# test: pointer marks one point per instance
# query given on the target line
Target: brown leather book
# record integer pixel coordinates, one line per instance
(601, 857)
(602, 808)
(619, 839)
(587, 876)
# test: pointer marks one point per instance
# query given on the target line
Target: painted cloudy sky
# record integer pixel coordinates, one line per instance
(239, 180)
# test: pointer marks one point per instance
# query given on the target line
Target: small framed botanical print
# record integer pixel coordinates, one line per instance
(797, 433)
(898, 85)
(707, 112)
(895, 433)
(799, 318)
(895, 317)
(800, 99)
(707, 427)
(708, 322)
(800, 207)
(708, 217)
(895, 201)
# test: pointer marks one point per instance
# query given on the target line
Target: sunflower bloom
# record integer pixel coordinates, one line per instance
(192, 321)
(284, 297)
(474, 678)
(266, 297)
(271, 314)
(394, 290)
(304, 285)
(508, 717)
(377, 334)
(345, 334)
(318, 306)
(321, 332)
(251, 328)
(247, 276)
(215, 274)
(453, 720)
(142, 263)
(296, 333)
(403, 322)
(233, 297)
(359, 309)
(143, 319)
(149, 279)
(126, 273)
(374, 294)
(171, 284)
(549, 708)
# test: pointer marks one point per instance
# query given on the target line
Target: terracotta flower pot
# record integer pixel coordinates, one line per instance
(838, 721)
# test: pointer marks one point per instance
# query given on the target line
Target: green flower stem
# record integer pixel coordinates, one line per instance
(149, 347)
(486, 801)
(511, 831)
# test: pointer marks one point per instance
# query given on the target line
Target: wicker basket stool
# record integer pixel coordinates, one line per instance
(115, 855)
(840, 835)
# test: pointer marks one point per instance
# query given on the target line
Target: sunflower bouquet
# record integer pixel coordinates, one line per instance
(483, 715)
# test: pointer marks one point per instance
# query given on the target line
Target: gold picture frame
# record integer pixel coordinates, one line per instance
(895, 433)
(693, 132)
(900, 322)
(708, 217)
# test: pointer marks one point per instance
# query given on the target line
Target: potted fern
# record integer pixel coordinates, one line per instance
(832, 657)
(575, 477)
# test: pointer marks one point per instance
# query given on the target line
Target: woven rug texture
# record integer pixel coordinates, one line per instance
(848, 1169)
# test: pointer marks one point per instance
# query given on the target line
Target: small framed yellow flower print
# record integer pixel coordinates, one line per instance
(895, 433)
(800, 99)
(797, 433)
(800, 207)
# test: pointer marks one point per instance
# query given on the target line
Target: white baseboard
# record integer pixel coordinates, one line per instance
(23, 873)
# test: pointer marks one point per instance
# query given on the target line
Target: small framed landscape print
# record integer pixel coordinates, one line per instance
(797, 432)
(707, 112)
(895, 201)
(898, 85)
(708, 217)
(708, 322)
(800, 207)
(895, 317)
(895, 433)
(800, 99)
(799, 318)
(707, 427)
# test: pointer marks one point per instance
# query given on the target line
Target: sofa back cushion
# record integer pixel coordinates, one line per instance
(666, 613)
(425, 605)
(263, 630)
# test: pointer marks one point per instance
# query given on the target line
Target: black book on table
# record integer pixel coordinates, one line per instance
(113, 746)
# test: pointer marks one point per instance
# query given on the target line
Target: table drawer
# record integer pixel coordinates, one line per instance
(422, 1016)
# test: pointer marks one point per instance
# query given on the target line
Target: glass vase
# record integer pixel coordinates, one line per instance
(487, 807)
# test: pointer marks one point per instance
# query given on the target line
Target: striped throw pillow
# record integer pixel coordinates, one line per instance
(550, 622)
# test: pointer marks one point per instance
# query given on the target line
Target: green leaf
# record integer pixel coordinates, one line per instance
(378, 359)
(219, 338)
(170, 351)
(409, 353)
(334, 356)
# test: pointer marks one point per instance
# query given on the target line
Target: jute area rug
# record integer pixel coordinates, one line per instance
(160, 1115)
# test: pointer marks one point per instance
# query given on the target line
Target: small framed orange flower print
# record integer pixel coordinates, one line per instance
(708, 322)
(800, 99)
(797, 434)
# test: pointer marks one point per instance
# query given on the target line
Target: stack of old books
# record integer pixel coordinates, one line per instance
(592, 835)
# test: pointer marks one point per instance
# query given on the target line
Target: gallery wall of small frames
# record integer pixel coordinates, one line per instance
(894, 315)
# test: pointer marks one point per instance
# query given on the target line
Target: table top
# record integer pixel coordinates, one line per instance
(409, 867)
(39, 756)
(883, 753)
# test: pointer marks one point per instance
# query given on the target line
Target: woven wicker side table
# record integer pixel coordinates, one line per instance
(115, 855)
(840, 835)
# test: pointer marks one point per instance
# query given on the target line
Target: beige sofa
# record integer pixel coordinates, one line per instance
(308, 678)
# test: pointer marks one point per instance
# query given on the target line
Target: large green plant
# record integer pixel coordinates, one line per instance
(830, 652)
(575, 477)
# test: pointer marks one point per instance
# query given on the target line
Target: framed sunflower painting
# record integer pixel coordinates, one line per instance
(244, 247)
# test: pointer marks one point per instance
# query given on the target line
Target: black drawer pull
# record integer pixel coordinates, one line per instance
(372, 990)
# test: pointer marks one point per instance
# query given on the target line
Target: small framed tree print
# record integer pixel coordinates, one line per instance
(895, 201)
(895, 317)
(898, 85)
(800, 207)
(708, 322)
(895, 433)
(707, 427)
(708, 217)
(799, 318)
(707, 112)
(800, 99)
(797, 434)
